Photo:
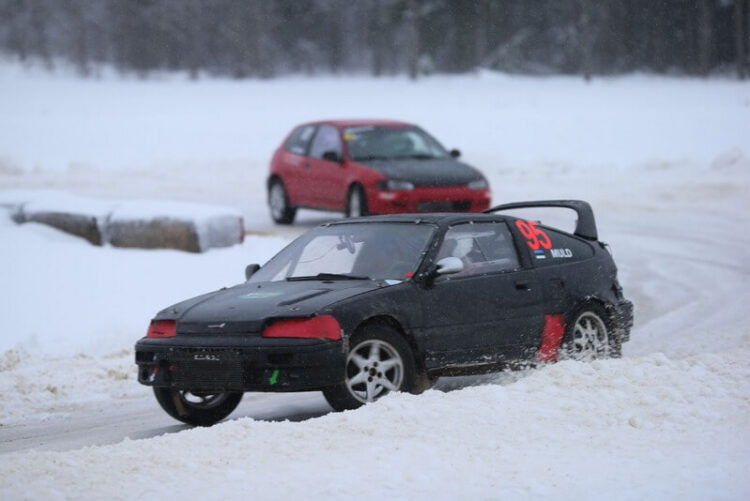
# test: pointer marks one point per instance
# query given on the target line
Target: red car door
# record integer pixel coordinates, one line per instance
(293, 165)
(326, 177)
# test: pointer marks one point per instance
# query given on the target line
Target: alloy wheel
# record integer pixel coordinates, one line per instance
(373, 368)
(590, 337)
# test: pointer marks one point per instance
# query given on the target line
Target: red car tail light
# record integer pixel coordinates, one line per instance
(162, 328)
(320, 327)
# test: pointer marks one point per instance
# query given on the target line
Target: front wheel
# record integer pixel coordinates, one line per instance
(278, 202)
(379, 362)
(356, 203)
(198, 408)
(589, 335)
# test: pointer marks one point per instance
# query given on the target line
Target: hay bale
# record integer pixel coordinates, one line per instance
(173, 225)
(82, 225)
(141, 224)
(158, 233)
(74, 215)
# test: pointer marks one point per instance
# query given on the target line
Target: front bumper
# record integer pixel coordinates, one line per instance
(428, 199)
(240, 363)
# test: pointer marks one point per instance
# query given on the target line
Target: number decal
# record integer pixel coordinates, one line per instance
(535, 237)
(543, 238)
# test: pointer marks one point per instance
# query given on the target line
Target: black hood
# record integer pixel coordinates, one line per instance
(247, 307)
(426, 172)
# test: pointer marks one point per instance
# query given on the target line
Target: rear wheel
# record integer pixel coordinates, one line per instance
(198, 408)
(356, 203)
(278, 202)
(589, 335)
(379, 362)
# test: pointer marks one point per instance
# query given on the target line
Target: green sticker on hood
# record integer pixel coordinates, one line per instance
(261, 295)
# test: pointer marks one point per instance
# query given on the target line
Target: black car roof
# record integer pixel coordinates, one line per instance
(585, 224)
(440, 218)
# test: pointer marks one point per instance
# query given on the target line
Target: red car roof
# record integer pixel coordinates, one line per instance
(362, 122)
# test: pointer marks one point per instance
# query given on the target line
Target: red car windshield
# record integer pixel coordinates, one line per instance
(386, 143)
(351, 251)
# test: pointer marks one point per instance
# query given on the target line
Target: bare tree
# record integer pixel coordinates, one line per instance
(739, 35)
(412, 38)
(705, 37)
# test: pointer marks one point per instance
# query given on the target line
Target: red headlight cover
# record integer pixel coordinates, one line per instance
(320, 327)
(162, 328)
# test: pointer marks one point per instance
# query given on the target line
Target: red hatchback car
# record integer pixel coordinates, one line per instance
(370, 167)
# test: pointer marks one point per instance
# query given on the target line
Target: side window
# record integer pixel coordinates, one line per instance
(548, 247)
(299, 139)
(326, 139)
(483, 248)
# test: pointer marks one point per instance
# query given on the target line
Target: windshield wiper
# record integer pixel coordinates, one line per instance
(327, 276)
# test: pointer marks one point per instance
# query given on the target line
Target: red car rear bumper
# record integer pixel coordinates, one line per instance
(428, 199)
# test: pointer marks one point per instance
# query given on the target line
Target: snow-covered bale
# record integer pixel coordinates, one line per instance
(174, 225)
(82, 225)
(77, 216)
(144, 224)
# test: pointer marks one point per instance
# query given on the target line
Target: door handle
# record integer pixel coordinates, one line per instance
(522, 285)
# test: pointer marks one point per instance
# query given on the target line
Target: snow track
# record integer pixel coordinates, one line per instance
(668, 420)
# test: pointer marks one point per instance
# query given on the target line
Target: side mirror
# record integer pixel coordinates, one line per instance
(455, 153)
(448, 266)
(250, 270)
(332, 156)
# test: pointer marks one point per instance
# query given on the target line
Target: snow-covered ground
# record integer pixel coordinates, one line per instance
(665, 163)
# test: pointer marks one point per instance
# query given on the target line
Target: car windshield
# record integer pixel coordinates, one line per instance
(386, 143)
(351, 251)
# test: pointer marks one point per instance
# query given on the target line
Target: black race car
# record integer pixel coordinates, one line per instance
(362, 307)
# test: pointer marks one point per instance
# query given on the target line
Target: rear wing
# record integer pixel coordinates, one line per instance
(586, 225)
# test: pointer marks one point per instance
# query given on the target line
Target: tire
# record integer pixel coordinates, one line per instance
(373, 348)
(199, 408)
(590, 335)
(356, 202)
(278, 203)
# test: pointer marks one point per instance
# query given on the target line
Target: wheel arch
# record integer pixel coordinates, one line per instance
(355, 184)
(605, 305)
(395, 324)
(273, 178)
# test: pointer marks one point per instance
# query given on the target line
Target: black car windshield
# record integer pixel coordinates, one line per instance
(351, 251)
(385, 143)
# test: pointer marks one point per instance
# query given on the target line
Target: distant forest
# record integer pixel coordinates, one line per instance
(266, 38)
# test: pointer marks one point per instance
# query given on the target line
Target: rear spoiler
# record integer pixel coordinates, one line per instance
(586, 225)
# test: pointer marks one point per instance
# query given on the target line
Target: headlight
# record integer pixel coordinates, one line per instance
(479, 184)
(393, 184)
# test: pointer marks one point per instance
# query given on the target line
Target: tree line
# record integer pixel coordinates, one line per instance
(266, 38)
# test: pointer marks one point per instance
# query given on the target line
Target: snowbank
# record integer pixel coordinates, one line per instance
(646, 428)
